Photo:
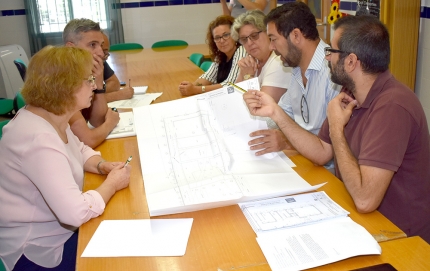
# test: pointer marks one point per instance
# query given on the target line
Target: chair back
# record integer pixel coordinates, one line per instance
(125, 46)
(6, 107)
(206, 65)
(2, 123)
(196, 58)
(18, 102)
(168, 43)
(21, 66)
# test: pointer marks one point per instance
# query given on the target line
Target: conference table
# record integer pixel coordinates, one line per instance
(221, 239)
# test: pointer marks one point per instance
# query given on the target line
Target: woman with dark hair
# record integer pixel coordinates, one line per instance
(225, 52)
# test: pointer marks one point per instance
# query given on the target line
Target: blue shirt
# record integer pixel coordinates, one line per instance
(318, 92)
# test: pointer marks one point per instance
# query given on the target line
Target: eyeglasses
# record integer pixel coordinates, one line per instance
(329, 50)
(305, 109)
(224, 36)
(106, 54)
(91, 80)
(254, 36)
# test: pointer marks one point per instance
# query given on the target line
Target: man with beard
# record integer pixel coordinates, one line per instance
(375, 129)
(293, 32)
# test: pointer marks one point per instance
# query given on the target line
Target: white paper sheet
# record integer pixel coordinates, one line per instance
(136, 101)
(290, 211)
(140, 89)
(316, 244)
(125, 126)
(194, 155)
(144, 237)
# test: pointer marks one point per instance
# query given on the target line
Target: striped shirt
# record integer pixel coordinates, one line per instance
(318, 92)
(212, 72)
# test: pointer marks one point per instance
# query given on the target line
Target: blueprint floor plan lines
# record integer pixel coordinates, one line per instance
(194, 155)
(291, 211)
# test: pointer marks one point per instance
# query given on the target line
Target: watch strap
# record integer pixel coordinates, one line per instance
(100, 91)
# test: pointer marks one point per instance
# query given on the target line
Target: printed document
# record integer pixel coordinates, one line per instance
(290, 211)
(194, 155)
(307, 230)
(316, 244)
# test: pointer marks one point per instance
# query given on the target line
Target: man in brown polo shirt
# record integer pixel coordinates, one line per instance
(375, 129)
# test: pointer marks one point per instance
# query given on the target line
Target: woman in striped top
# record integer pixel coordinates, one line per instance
(225, 52)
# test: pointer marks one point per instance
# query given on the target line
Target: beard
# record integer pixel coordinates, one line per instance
(340, 77)
(293, 57)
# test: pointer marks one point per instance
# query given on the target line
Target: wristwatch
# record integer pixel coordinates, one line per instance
(99, 91)
(203, 89)
(247, 76)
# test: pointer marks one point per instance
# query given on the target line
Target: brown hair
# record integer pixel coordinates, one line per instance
(53, 76)
(217, 55)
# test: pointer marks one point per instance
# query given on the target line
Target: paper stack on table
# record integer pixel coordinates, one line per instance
(194, 154)
(305, 231)
(136, 101)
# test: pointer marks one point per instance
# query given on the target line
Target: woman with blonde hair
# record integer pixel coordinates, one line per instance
(225, 53)
(43, 164)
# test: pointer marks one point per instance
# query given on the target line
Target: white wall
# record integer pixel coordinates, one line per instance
(422, 83)
(144, 25)
(13, 29)
(184, 22)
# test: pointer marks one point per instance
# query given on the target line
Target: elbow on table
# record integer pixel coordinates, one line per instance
(365, 207)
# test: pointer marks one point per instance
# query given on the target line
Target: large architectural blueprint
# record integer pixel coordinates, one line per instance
(194, 154)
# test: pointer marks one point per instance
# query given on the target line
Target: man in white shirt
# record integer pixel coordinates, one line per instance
(294, 35)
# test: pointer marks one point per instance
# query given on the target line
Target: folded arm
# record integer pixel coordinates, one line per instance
(93, 137)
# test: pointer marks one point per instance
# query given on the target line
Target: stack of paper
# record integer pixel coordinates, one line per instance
(305, 231)
(136, 101)
(195, 154)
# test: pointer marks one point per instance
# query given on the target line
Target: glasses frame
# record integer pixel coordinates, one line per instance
(305, 116)
(224, 36)
(253, 36)
(328, 51)
(91, 80)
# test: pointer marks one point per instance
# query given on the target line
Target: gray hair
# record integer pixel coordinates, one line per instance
(252, 17)
(72, 31)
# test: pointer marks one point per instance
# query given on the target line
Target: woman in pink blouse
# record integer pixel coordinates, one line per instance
(42, 166)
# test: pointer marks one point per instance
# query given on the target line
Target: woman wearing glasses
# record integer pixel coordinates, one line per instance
(43, 164)
(250, 30)
(225, 53)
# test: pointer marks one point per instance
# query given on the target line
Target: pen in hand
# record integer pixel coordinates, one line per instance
(237, 87)
(128, 161)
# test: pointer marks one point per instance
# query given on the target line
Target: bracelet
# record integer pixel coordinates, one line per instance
(98, 167)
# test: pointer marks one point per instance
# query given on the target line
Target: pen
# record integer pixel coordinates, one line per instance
(114, 109)
(239, 88)
(129, 83)
(128, 161)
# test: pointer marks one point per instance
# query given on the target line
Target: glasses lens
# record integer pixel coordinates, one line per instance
(226, 36)
(305, 109)
(254, 36)
(91, 80)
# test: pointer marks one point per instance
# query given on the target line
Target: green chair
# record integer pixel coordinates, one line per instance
(206, 65)
(18, 102)
(2, 123)
(196, 58)
(125, 46)
(168, 43)
(6, 107)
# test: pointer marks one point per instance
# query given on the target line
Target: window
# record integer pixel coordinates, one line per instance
(55, 14)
